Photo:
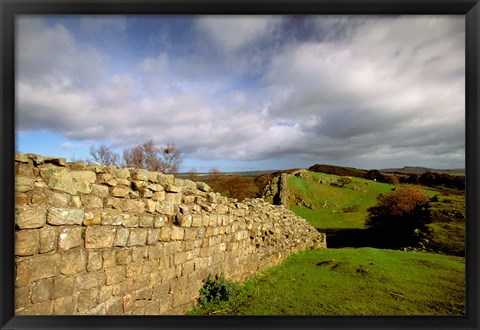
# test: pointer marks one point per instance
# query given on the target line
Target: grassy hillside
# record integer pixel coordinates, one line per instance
(328, 206)
(362, 281)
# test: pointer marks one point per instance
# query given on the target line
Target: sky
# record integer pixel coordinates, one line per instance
(243, 93)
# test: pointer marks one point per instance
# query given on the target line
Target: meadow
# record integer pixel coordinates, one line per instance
(354, 276)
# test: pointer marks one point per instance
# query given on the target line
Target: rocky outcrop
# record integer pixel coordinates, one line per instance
(92, 239)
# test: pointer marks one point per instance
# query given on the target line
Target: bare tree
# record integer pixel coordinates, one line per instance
(165, 159)
(104, 155)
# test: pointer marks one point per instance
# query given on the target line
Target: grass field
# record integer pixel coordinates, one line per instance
(362, 281)
(328, 202)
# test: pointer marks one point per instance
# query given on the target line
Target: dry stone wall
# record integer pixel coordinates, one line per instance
(92, 239)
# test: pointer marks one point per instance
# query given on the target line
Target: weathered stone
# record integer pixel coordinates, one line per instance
(115, 274)
(158, 196)
(27, 218)
(202, 186)
(23, 184)
(121, 173)
(23, 158)
(174, 198)
(77, 166)
(73, 262)
(146, 221)
(84, 176)
(115, 203)
(83, 187)
(138, 236)
(91, 201)
(123, 257)
(62, 180)
(150, 206)
(48, 239)
(155, 187)
(107, 179)
(159, 221)
(42, 290)
(177, 233)
(38, 197)
(153, 235)
(165, 179)
(172, 188)
(75, 202)
(109, 258)
(64, 306)
(166, 234)
(130, 221)
(114, 306)
(62, 216)
(22, 296)
(27, 242)
(94, 261)
(185, 220)
(139, 174)
(89, 280)
(37, 267)
(43, 308)
(87, 300)
(133, 206)
(57, 199)
(55, 160)
(62, 286)
(99, 190)
(106, 292)
(120, 191)
(121, 237)
(97, 237)
(70, 237)
(92, 217)
(165, 208)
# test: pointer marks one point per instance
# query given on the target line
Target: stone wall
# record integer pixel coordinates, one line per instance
(92, 239)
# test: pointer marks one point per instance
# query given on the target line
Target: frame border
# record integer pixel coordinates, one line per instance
(10, 8)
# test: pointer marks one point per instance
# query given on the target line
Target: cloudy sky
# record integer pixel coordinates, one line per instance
(246, 92)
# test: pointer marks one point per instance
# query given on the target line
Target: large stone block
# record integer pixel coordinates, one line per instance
(27, 242)
(61, 180)
(115, 274)
(86, 176)
(173, 197)
(43, 308)
(63, 286)
(133, 206)
(97, 237)
(92, 201)
(100, 190)
(121, 237)
(89, 280)
(62, 216)
(92, 217)
(138, 236)
(83, 187)
(70, 237)
(87, 299)
(23, 184)
(48, 239)
(37, 267)
(42, 290)
(95, 261)
(64, 306)
(73, 262)
(29, 218)
(120, 191)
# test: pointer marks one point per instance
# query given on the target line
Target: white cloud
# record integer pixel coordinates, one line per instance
(231, 33)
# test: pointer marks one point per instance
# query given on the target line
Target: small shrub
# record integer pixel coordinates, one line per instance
(217, 289)
(352, 208)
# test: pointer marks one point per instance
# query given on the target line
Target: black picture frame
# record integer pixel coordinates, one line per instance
(11, 8)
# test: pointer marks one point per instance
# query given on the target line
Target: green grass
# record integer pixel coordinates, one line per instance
(328, 201)
(362, 281)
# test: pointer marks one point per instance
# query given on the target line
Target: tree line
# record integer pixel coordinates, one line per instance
(165, 158)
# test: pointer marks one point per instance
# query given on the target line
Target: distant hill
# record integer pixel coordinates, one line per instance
(406, 170)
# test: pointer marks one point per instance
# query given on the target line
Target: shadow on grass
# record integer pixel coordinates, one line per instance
(349, 237)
